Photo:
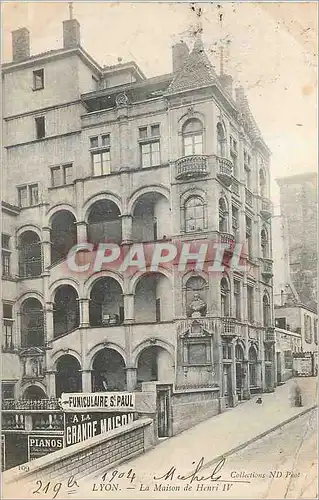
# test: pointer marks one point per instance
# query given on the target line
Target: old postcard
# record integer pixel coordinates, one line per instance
(159, 250)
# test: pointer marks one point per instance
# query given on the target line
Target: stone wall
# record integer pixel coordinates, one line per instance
(191, 407)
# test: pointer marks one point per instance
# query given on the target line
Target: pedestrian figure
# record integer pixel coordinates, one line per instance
(296, 397)
(259, 400)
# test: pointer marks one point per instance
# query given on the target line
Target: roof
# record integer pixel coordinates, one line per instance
(197, 71)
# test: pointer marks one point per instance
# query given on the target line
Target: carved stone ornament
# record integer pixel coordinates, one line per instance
(121, 99)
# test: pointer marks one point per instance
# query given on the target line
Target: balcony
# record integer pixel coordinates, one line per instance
(189, 167)
(266, 271)
(230, 328)
(248, 197)
(28, 404)
(266, 208)
(227, 239)
(269, 335)
(224, 168)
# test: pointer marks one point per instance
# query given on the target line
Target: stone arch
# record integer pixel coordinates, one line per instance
(64, 281)
(32, 294)
(58, 208)
(103, 195)
(155, 188)
(155, 362)
(61, 352)
(89, 283)
(88, 362)
(108, 370)
(29, 227)
(34, 391)
(68, 376)
(35, 383)
(148, 343)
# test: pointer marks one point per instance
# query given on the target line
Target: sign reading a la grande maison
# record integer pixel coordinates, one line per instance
(81, 426)
(40, 445)
(101, 401)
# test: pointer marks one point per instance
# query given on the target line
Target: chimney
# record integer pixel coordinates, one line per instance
(240, 96)
(20, 45)
(71, 34)
(227, 83)
(180, 52)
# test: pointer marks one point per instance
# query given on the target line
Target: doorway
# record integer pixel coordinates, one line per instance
(163, 406)
(278, 359)
(227, 385)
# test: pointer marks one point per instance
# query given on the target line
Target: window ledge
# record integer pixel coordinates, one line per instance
(61, 186)
(36, 89)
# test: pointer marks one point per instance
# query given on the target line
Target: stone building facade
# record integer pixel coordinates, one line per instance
(95, 154)
(299, 209)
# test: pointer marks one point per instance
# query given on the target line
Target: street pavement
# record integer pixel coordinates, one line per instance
(289, 452)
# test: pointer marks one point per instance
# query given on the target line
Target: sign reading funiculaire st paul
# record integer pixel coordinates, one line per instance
(100, 401)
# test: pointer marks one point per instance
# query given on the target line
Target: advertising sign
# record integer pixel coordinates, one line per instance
(81, 426)
(98, 401)
(40, 445)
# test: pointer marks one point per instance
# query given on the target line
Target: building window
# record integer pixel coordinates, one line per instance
(249, 236)
(28, 195)
(192, 138)
(281, 323)
(194, 214)
(62, 175)
(6, 254)
(237, 298)
(225, 297)
(262, 183)
(150, 154)
(252, 357)
(38, 79)
(315, 331)
(235, 220)
(7, 390)
(149, 145)
(223, 214)
(227, 351)
(221, 141)
(250, 304)
(266, 310)
(101, 155)
(264, 244)
(288, 360)
(40, 127)
(7, 342)
(101, 163)
(197, 352)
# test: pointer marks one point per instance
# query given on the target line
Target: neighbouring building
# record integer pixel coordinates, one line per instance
(291, 314)
(288, 344)
(299, 209)
(95, 154)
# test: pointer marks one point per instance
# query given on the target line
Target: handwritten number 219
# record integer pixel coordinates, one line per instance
(55, 488)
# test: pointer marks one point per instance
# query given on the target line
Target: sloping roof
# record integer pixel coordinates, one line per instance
(196, 72)
(243, 105)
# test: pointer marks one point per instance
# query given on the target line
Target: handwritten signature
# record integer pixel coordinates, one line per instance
(193, 476)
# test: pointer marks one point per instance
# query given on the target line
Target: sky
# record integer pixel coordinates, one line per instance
(272, 52)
